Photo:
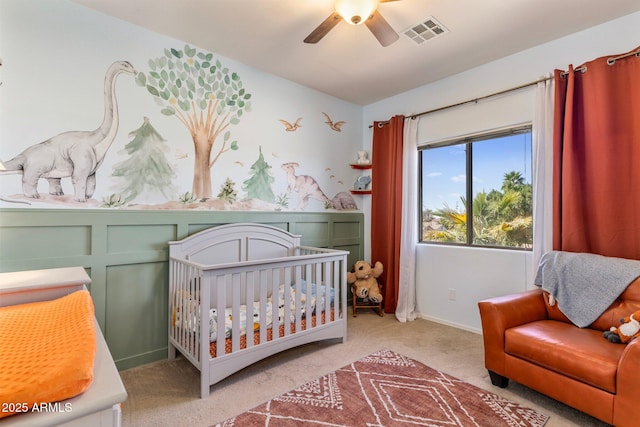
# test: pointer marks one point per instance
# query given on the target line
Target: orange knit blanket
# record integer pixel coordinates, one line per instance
(47, 351)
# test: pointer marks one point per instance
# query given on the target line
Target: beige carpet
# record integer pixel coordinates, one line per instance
(166, 393)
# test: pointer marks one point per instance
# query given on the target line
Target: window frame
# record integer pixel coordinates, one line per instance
(468, 141)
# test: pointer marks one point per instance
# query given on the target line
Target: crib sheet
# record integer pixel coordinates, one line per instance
(190, 321)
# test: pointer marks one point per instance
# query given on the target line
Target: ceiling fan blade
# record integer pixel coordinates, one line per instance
(322, 29)
(381, 29)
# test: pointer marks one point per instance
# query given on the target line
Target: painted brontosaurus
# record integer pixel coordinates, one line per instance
(75, 154)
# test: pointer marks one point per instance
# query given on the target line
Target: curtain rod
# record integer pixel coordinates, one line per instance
(613, 59)
(610, 61)
(475, 100)
(583, 68)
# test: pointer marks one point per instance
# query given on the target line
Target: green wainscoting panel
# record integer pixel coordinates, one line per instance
(126, 254)
(133, 238)
(76, 240)
(194, 228)
(136, 312)
(320, 230)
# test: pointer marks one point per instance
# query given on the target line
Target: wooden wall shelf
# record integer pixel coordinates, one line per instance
(360, 191)
(359, 166)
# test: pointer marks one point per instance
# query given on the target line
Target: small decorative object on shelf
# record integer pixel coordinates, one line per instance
(363, 158)
(362, 182)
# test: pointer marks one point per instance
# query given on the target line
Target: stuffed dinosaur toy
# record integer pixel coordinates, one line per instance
(628, 330)
(363, 278)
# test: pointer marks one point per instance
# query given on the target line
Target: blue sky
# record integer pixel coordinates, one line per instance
(444, 174)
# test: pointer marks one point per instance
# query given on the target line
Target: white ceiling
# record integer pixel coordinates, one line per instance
(349, 63)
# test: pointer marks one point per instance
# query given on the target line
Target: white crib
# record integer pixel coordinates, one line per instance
(289, 295)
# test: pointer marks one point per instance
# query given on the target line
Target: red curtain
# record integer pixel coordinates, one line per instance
(597, 158)
(386, 204)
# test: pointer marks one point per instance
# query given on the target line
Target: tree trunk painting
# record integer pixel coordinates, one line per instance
(201, 170)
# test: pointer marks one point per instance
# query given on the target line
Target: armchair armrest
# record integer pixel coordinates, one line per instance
(626, 410)
(501, 313)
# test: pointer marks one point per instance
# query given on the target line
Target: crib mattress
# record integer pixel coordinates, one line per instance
(228, 343)
(47, 351)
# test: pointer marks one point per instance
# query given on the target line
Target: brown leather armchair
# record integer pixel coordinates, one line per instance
(530, 342)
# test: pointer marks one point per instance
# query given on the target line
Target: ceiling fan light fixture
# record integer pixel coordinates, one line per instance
(355, 12)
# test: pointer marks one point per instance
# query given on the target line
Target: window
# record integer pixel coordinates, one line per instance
(477, 190)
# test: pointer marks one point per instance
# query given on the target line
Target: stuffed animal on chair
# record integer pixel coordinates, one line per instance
(627, 331)
(363, 279)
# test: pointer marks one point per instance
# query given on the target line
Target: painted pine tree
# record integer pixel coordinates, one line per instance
(146, 173)
(258, 186)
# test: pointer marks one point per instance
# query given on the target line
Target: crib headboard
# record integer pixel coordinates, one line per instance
(231, 243)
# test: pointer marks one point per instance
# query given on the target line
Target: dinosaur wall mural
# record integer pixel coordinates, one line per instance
(74, 154)
(306, 187)
(211, 115)
(197, 91)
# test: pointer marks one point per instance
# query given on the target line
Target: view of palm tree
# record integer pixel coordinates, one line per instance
(499, 216)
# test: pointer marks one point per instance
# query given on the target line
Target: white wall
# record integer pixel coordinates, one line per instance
(474, 274)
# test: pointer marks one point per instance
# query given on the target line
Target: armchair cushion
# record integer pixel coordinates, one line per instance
(567, 350)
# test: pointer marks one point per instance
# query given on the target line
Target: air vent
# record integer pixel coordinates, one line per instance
(426, 30)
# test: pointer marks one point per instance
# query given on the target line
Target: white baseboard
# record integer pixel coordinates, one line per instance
(448, 323)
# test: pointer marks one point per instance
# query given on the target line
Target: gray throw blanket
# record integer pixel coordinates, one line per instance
(584, 285)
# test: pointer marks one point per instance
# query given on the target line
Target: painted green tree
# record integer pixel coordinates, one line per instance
(227, 191)
(258, 186)
(205, 97)
(146, 171)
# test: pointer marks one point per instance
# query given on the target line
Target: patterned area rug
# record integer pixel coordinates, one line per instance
(387, 389)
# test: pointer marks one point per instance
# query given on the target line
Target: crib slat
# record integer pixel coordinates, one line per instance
(262, 305)
(309, 296)
(249, 289)
(235, 310)
(328, 286)
(221, 296)
(289, 278)
(298, 299)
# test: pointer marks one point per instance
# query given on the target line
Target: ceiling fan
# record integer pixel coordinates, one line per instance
(357, 12)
